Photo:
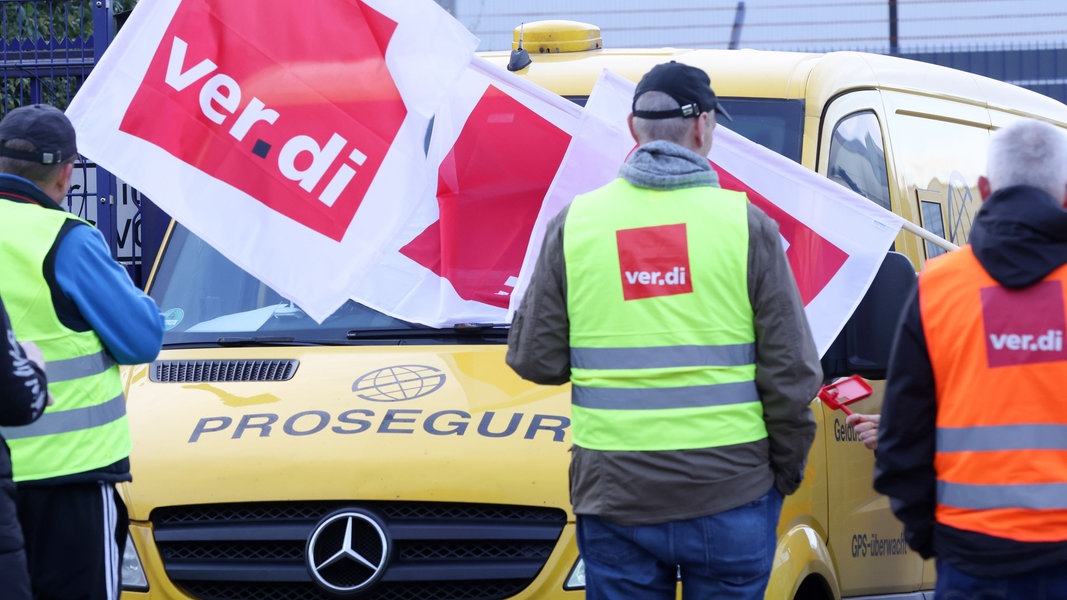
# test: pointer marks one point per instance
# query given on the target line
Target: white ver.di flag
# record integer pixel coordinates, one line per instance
(290, 139)
(496, 145)
(835, 239)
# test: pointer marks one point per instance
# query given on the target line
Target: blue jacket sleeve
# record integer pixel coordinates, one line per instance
(126, 319)
(904, 460)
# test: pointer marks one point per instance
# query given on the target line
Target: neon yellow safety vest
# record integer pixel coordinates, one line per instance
(86, 427)
(661, 326)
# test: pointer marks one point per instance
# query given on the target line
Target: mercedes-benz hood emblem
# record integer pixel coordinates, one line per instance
(347, 552)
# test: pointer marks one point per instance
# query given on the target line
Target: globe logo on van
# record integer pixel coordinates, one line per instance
(398, 383)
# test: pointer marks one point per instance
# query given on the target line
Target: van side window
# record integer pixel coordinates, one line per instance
(933, 223)
(940, 152)
(857, 157)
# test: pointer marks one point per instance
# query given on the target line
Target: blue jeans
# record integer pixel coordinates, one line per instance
(1045, 584)
(725, 555)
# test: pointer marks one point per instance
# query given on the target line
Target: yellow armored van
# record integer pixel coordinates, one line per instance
(373, 458)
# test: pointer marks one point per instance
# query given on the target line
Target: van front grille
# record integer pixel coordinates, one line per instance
(193, 371)
(439, 551)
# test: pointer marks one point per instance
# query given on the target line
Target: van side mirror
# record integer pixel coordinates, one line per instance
(862, 347)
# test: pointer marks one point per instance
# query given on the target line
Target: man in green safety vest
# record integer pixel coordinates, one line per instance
(66, 294)
(669, 305)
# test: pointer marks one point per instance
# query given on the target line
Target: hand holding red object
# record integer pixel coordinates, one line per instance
(866, 427)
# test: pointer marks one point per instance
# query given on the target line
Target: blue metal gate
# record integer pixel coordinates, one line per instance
(48, 49)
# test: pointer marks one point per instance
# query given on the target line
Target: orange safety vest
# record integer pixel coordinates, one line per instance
(1000, 366)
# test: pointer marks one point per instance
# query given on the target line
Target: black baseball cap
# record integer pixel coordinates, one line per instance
(44, 126)
(689, 85)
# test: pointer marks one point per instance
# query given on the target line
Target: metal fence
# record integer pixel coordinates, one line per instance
(1041, 68)
(50, 46)
(48, 49)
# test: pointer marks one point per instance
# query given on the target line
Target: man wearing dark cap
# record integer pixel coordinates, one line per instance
(669, 306)
(66, 294)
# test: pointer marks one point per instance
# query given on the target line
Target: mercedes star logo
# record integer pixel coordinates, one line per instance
(347, 552)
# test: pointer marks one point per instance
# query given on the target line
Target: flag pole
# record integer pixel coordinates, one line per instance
(930, 237)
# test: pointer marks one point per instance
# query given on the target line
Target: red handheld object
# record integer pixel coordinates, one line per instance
(844, 391)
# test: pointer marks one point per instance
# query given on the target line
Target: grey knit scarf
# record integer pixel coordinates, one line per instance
(664, 165)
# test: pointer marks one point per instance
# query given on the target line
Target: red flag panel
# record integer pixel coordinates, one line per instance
(239, 93)
(813, 259)
(490, 188)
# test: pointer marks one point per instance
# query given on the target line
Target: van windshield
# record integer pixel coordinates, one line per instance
(774, 123)
(207, 300)
(210, 301)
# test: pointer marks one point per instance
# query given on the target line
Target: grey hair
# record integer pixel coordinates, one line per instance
(35, 172)
(671, 130)
(1028, 152)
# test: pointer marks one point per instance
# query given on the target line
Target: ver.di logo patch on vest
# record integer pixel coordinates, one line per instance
(654, 261)
(1024, 326)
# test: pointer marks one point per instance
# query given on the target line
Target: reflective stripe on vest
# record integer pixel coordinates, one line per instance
(998, 363)
(666, 356)
(72, 420)
(79, 366)
(1033, 496)
(661, 328)
(86, 427)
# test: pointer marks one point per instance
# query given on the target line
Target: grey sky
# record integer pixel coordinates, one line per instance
(781, 24)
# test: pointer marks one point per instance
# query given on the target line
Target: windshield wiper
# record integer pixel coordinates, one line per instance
(457, 330)
(480, 328)
(263, 340)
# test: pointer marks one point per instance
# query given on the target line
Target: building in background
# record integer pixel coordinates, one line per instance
(1023, 42)
(816, 25)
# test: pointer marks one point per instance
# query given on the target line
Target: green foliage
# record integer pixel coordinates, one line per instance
(122, 5)
(42, 50)
(47, 19)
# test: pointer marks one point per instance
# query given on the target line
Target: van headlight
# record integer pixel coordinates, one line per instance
(576, 580)
(133, 577)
